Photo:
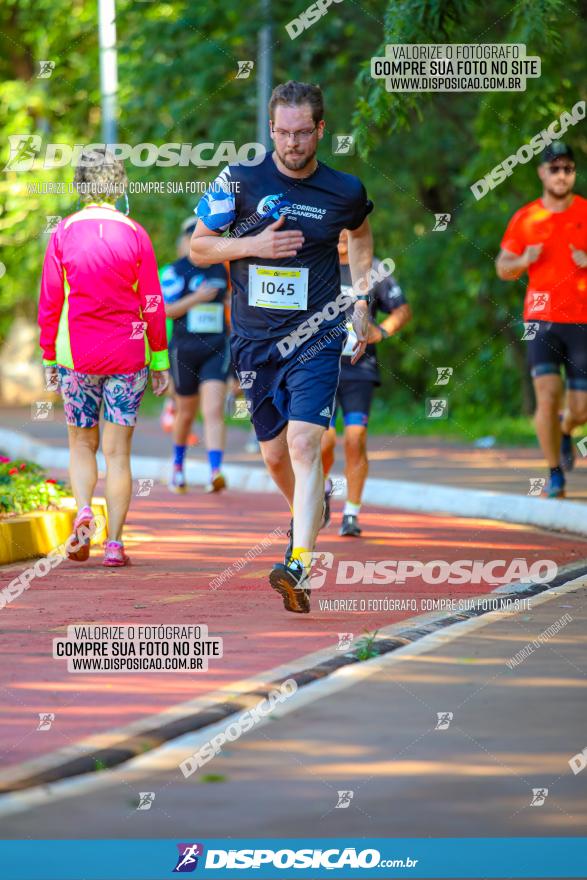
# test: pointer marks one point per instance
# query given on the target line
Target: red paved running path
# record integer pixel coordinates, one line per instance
(178, 545)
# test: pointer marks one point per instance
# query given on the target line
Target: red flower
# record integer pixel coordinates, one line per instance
(51, 481)
(13, 471)
(22, 467)
(3, 459)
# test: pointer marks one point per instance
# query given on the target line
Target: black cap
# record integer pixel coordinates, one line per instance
(188, 226)
(556, 150)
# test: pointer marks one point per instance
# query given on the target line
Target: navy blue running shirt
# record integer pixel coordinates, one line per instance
(386, 296)
(244, 200)
(182, 278)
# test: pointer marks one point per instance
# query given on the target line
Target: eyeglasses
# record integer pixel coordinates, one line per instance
(302, 135)
(566, 169)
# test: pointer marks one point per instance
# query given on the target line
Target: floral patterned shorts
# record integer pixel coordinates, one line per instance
(83, 394)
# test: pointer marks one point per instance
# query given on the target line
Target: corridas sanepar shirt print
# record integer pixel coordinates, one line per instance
(243, 200)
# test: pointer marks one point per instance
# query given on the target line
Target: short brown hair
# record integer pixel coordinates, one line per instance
(293, 93)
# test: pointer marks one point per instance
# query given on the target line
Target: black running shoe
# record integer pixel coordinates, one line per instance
(350, 526)
(288, 580)
(289, 548)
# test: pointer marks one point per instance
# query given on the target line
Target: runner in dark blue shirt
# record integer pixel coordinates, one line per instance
(357, 384)
(199, 356)
(283, 218)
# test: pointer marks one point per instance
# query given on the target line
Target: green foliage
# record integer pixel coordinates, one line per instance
(212, 777)
(418, 153)
(439, 145)
(24, 487)
(365, 648)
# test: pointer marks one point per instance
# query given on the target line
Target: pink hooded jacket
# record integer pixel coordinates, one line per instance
(101, 310)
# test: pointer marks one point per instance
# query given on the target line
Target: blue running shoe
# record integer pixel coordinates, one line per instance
(555, 488)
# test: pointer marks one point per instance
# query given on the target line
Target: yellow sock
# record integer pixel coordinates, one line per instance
(303, 555)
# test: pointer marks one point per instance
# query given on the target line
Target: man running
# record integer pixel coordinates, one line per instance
(199, 356)
(356, 386)
(284, 218)
(547, 238)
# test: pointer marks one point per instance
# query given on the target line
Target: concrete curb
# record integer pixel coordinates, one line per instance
(566, 516)
(41, 531)
(157, 732)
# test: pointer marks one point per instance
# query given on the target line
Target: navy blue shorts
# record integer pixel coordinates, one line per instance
(300, 387)
(191, 364)
(558, 345)
(354, 398)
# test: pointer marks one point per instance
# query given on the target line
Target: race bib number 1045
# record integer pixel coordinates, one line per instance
(274, 287)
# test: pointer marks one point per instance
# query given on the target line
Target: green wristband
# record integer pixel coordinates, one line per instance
(159, 360)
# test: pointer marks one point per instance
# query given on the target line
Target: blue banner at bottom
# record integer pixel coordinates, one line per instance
(367, 858)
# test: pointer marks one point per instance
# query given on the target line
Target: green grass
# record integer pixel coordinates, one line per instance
(212, 777)
(463, 427)
(407, 419)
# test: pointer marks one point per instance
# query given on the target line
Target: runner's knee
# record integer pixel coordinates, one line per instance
(275, 456)
(116, 446)
(355, 445)
(548, 399)
(304, 447)
(213, 410)
(113, 454)
(578, 411)
(186, 407)
(87, 438)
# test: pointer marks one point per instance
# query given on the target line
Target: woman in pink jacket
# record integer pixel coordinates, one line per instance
(102, 323)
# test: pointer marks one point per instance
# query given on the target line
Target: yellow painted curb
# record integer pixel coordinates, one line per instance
(37, 533)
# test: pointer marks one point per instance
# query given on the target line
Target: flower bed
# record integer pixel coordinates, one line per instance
(24, 487)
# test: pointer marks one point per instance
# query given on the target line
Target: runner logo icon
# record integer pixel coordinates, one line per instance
(539, 795)
(146, 799)
(530, 330)
(138, 330)
(46, 719)
(246, 378)
(319, 563)
(344, 641)
(444, 719)
(187, 860)
(344, 800)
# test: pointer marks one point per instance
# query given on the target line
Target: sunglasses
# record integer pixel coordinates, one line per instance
(567, 169)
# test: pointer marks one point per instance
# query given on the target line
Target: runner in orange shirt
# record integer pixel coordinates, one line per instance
(547, 238)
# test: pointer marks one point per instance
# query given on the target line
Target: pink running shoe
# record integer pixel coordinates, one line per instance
(167, 417)
(82, 552)
(114, 555)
